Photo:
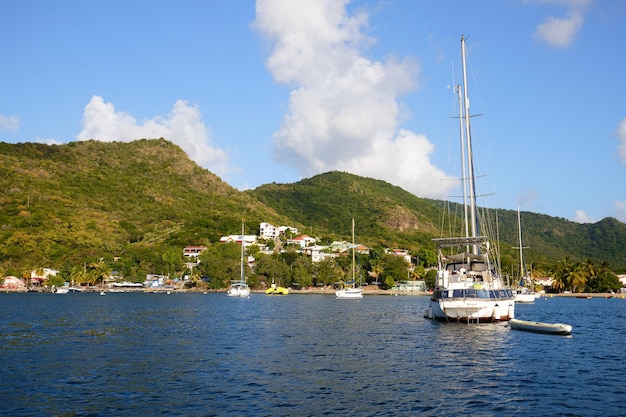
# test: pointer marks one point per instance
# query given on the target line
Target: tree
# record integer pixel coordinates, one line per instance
(274, 268)
(431, 278)
(327, 272)
(222, 263)
(302, 271)
(427, 257)
(78, 275)
(173, 259)
(395, 269)
(98, 271)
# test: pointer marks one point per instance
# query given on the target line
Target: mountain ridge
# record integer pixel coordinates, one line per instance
(63, 204)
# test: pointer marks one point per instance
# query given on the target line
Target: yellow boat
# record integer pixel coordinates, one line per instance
(274, 290)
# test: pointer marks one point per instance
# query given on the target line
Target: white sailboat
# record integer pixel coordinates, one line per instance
(239, 288)
(523, 294)
(468, 288)
(351, 292)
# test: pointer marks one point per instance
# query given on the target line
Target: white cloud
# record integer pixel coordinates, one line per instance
(9, 123)
(582, 217)
(561, 31)
(344, 111)
(182, 126)
(621, 134)
(620, 210)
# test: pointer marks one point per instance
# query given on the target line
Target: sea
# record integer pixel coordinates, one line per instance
(194, 354)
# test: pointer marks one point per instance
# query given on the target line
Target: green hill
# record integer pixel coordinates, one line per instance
(63, 205)
(83, 200)
(396, 218)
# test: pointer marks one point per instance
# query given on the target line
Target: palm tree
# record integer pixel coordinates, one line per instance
(99, 271)
(78, 275)
(578, 278)
(561, 278)
(377, 270)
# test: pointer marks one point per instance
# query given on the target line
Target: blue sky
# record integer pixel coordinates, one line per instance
(278, 90)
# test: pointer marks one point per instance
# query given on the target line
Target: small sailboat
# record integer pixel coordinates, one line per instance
(239, 288)
(524, 293)
(351, 292)
(468, 286)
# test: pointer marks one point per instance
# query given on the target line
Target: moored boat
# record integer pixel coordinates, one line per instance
(277, 290)
(239, 288)
(524, 293)
(351, 292)
(469, 286)
(539, 327)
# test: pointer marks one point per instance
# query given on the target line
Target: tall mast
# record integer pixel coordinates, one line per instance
(521, 248)
(463, 176)
(242, 252)
(470, 163)
(521, 251)
(353, 257)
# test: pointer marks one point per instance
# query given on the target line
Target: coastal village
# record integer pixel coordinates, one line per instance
(283, 237)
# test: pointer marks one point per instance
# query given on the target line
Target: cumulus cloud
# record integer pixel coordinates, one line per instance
(9, 123)
(621, 134)
(582, 217)
(182, 126)
(561, 31)
(344, 110)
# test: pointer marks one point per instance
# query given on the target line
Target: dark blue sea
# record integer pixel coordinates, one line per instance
(126, 354)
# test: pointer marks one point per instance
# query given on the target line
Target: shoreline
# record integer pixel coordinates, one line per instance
(317, 291)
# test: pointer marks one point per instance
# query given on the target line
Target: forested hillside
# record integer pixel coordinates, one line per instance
(396, 218)
(142, 202)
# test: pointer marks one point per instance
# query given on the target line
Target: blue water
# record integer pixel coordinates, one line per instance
(301, 355)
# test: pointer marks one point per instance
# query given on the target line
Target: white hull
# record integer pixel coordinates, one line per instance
(349, 293)
(62, 290)
(525, 298)
(538, 327)
(239, 290)
(471, 310)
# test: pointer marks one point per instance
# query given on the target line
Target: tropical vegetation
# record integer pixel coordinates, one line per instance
(93, 210)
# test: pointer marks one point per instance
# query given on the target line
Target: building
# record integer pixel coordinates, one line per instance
(193, 251)
(303, 241)
(269, 231)
(410, 286)
(246, 239)
(13, 283)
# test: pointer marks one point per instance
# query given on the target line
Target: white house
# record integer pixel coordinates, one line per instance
(318, 253)
(303, 241)
(269, 231)
(193, 251)
(246, 239)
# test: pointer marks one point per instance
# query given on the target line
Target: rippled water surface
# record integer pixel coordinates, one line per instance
(208, 354)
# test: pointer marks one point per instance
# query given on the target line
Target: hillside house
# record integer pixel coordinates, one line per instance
(269, 231)
(303, 241)
(193, 251)
(246, 239)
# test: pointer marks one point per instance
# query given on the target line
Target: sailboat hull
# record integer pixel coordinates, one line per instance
(522, 297)
(471, 310)
(239, 290)
(349, 293)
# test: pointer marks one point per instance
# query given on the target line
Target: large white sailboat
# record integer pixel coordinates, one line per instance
(469, 287)
(351, 292)
(239, 288)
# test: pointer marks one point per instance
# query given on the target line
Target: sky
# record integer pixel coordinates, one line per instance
(282, 90)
